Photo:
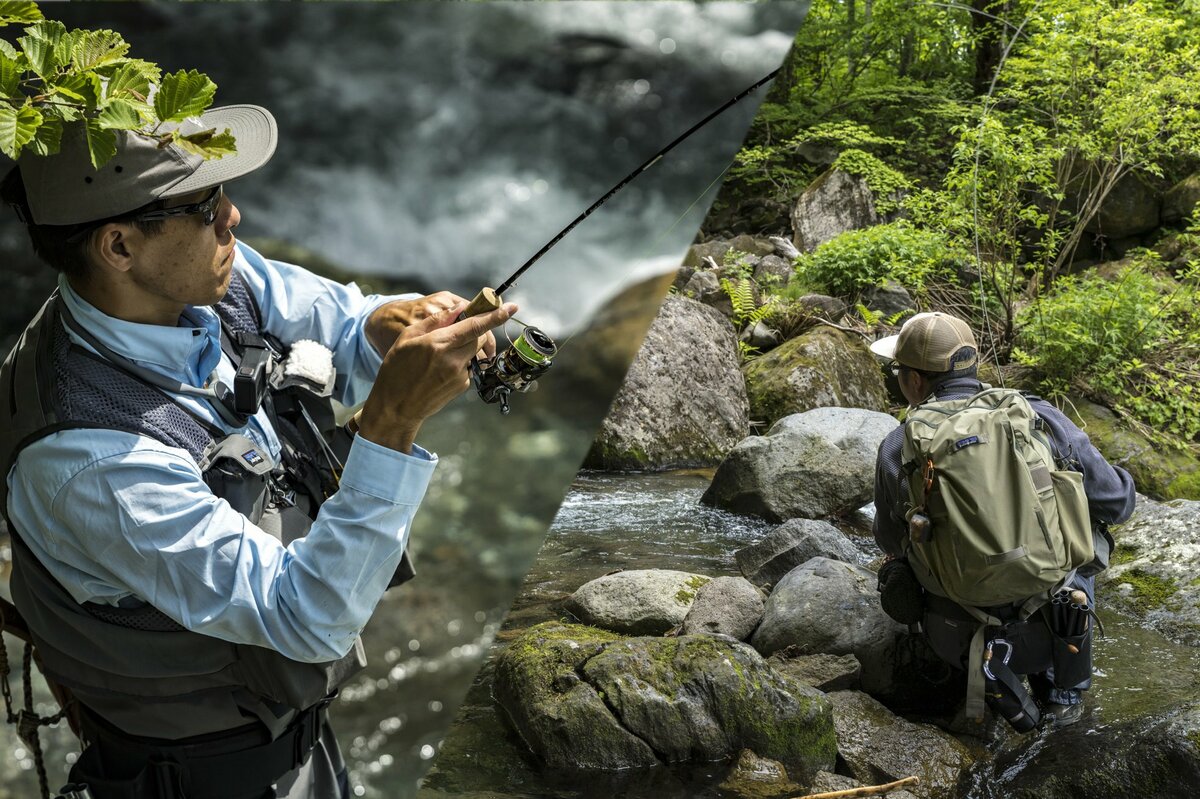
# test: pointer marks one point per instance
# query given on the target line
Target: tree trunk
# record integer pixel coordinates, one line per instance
(988, 49)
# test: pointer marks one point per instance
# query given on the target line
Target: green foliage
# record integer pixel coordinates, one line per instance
(899, 251)
(885, 183)
(55, 76)
(1133, 341)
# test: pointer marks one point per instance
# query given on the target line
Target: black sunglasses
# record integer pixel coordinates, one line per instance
(208, 207)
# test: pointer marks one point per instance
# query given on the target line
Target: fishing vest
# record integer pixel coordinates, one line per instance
(136, 667)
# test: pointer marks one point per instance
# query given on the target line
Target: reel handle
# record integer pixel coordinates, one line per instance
(486, 300)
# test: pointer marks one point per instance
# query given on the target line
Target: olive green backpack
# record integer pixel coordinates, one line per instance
(992, 518)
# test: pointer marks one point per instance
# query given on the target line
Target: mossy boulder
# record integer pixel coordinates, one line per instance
(1158, 472)
(637, 602)
(683, 402)
(1148, 758)
(878, 746)
(1181, 200)
(1155, 568)
(821, 368)
(691, 698)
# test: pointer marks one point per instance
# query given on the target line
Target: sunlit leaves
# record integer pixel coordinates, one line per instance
(183, 94)
(18, 126)
(57, 77)
(18, 13)
(208, 143)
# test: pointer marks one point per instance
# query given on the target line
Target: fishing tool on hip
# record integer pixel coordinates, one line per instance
(532, 353)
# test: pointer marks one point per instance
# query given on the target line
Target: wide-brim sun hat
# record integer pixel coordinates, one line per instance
(65, 189)
(929, 342)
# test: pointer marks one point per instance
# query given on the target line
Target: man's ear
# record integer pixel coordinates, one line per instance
(110, 247)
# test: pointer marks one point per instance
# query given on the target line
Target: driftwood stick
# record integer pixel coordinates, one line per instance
(866, 790)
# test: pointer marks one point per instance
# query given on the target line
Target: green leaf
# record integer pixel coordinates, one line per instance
(7, 49)
(121, 114)
(102, 143)
(94, 49)
(47, 45)
(133, 79)
(19, 13)
(17, 128)
(10, 75)
(208, 144)
(183, 94)
(82, 88)
(48, 137)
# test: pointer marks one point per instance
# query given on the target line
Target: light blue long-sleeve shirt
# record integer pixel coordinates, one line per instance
(117, 517)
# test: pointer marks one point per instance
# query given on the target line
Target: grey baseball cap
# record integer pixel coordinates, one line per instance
(64, 189)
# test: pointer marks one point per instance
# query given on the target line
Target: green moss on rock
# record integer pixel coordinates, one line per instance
(1150, 591)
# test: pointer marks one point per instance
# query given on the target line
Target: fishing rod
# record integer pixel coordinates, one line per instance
(532, 353)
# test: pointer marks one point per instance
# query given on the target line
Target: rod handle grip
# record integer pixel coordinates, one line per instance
(486, 300)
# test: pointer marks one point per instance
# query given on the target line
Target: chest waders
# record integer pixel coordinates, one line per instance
(165, 712)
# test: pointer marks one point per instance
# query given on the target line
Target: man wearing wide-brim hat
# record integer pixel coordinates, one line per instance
(196, 546)
(935, 359)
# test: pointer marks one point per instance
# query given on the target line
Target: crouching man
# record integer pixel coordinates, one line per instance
(992, 509)
(196, 546)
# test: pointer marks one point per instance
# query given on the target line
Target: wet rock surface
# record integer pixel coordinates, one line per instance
(878, 747)
(656, 422)
(639, 602)
(824, 367)
(588, 699)
(1155, 566)
(725, 606)
(808, 465)
(823, 672)
(791, 544)
(755, 777)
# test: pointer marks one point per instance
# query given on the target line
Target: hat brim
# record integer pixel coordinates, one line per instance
(255, 134)
(886, 347)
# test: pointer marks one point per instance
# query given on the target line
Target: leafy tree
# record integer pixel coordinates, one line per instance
(51, 77)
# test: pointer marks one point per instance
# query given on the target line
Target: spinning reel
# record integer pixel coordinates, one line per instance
(517, 368)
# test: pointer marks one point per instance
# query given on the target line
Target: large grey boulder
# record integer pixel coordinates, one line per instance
(638, 602)
(1155, 566)
(824, 367)
(878, 746)
(683, 402)
(790, 544)
(1180, 201)
(828, 607)
(834, 203)
(586, 699)
(808, 465)
(823, 672)
(888, 300)
(773, 270)
(725, 606)
(1156, 757)
(1132, 207)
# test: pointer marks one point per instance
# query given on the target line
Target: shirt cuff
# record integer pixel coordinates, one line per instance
(388, 474)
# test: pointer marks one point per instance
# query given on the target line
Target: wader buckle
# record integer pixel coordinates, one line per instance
(74, 790)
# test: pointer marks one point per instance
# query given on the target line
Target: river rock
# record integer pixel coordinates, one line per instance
(725, 606)
(560, 716)
(808, 465)
(1157, 471)
(888, 300)
(1148, 758)
(1180, 201)
(703, 698)
(639, 602)
(831, 308)
(790, 544)
(773, 270)
(834, 203)
(683, 402)
(705, 286)
(827, 607)
(823, 672)
(1155, 565)
(714, 249)
(880, 747)
(784, 248)
(826, 782)
(1130, 208)
(754, 777)
(760, 336)
(824, 367)
(751, 245)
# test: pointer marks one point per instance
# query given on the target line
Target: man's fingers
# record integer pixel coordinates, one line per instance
(471, 329)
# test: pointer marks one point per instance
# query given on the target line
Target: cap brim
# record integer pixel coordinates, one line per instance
(886, 347)
(255, 134)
